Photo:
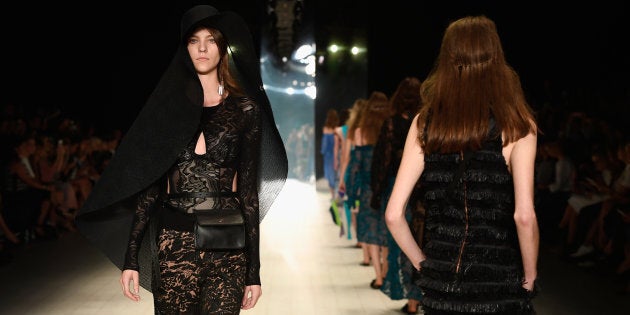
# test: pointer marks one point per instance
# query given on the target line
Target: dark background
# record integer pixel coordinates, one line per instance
(100, 60)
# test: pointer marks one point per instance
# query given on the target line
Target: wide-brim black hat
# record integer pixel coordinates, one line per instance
(208, 14)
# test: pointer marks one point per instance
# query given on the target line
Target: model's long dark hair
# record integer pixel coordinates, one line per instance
(376, 111)
(332, 118)
(470, 83)
(406, 98)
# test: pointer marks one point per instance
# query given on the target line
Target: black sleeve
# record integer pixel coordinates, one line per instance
(247, 182)
(145, 201)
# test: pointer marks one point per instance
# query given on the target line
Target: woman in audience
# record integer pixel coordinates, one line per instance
(591, 183)
(26, 206)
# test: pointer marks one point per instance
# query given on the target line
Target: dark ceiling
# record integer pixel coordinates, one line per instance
(87, 55)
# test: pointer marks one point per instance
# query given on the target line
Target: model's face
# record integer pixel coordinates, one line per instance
(203, 51)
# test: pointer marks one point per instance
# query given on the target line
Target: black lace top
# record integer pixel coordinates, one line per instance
(232, 135)
(473, 260)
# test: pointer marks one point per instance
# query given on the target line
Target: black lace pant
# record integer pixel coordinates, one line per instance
(197, 282)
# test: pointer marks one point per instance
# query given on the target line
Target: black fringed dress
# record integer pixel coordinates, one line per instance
(473, 263)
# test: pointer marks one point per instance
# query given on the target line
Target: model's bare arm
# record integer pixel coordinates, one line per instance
(411, 167)
(522, 163)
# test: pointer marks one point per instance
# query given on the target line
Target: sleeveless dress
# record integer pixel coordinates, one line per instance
(473, 263)
(371, 228)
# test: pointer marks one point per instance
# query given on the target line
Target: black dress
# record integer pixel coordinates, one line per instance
(473, 263)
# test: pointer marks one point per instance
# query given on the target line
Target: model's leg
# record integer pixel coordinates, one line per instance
(179, 274)
(222, 282)
(412, 306)
(375, 255)
(384, 250)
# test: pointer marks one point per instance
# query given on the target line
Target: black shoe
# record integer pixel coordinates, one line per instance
(375, 286)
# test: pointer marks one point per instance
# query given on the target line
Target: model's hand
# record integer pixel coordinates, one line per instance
(342, 186)
(251, 296)
(529, 285)
(126, 278)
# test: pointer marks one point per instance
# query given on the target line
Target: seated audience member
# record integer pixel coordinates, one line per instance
(552, 197)
(609, 221)
(592, 182)
(50, 161)
(24, 196)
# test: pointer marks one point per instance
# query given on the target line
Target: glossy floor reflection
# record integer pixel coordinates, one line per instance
(307, 269)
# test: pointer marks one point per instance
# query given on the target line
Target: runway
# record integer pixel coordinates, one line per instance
(307, 269)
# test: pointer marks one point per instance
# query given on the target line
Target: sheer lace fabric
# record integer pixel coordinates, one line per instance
(231, 131)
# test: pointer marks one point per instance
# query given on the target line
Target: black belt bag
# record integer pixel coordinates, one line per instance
(217, 229)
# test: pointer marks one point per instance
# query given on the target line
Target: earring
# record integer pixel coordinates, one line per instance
(220, 90)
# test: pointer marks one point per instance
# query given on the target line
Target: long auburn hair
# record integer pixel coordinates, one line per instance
(471, 82)
(355, 116)
(332, 118)
(376, 111)
(406, 98)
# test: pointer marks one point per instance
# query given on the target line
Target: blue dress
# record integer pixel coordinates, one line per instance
(328, 153)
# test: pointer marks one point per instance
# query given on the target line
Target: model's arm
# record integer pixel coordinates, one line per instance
(522, 159)
(411, 167)
(336, 150)
(247, 187)
(247, 183)
(145, 201)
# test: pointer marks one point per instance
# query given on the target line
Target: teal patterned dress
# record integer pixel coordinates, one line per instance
(371, 227)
